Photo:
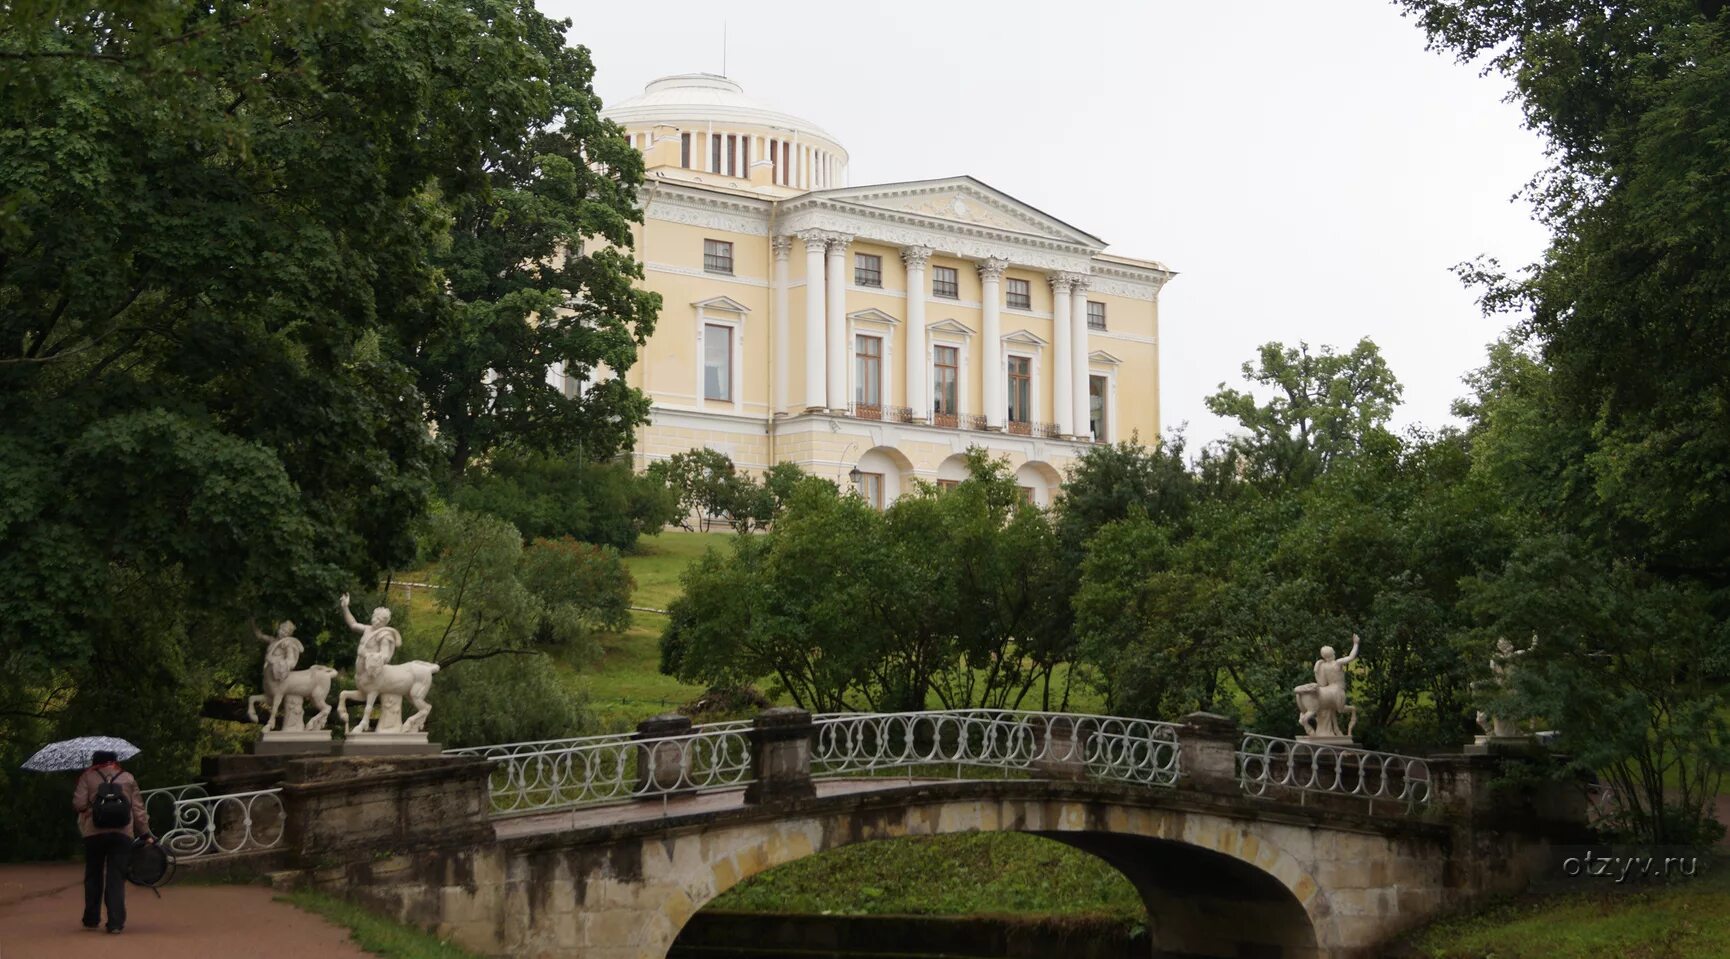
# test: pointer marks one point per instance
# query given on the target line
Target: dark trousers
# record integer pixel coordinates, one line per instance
(105, 857)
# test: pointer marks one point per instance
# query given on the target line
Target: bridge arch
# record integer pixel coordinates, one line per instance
(1212, 885)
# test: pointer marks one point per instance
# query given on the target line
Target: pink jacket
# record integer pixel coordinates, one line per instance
(85, 791)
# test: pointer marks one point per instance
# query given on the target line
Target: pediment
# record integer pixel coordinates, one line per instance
(1025, 338)
(950, 327)
(872, 315)
(723, 304)
(1104, 358)
(964, 200)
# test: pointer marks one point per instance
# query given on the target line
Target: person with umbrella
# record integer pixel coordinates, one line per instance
(110, 812)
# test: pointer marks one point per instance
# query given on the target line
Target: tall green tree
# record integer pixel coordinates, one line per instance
(538, 268)
(225, 236)
(1325, 406)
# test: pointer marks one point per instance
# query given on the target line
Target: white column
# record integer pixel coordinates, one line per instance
(782, 247)
(837, 284)
(1078, 323)
(1062, 364)
(816, 241)
(917, 366)
(991, 356)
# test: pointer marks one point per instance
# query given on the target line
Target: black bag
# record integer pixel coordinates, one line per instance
(109, 808)
(149, 865)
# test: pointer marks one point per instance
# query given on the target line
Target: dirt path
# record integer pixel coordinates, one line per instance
(40, 906)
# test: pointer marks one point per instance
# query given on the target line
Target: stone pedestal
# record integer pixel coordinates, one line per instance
(663, 763)
(1062, 751)
(1345, 741)
(301, 742)
(388, 744)
(1503, 746)
(1207, 753)
(780, 756)
(340, 807)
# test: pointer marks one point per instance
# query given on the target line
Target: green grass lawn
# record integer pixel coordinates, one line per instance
(1688, 919)
(376, 935)
(971, 874)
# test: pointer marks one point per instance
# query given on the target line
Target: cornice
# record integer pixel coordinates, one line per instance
(1127, 281)
(674, 203)
(905, 229)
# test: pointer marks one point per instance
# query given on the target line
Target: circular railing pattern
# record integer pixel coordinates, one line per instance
(614, 768)
(226, 824)
(1268, 764)
(1062, 745)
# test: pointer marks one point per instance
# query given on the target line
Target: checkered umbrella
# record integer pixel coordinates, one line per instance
(72, 754)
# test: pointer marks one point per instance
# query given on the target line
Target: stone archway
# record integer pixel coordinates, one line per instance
(1212, 886)
(892, 466)
(1040, 477)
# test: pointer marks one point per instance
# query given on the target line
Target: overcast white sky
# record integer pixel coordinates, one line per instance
(1309, 169)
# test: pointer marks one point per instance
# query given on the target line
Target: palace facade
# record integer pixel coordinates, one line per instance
(882, 328)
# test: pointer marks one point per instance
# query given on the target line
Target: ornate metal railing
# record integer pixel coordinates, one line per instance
(159, 804)
(1019, 427)
(1268, 765)
(605, 769)
(898, 414)
(1047, 430)
(866, 411)
(1035, 744)
(225, 825)
(972, 421)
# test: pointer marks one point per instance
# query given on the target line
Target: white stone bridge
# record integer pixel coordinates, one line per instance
(603, 848)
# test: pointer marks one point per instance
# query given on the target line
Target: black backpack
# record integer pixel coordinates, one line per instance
(109, 808)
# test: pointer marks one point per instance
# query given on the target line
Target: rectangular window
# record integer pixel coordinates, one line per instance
(868, 373)
(867, 270)
(945, 384)
(717, 362)
(945, 282)
(871, 487)
(1095, 315)
(1020, 389)
(714, 153)
(1019, 293)
(1026, 493)
(685, 150)
(745, 156)
(774, 161)
(1096, 387)
(717, 256)
(944, 484)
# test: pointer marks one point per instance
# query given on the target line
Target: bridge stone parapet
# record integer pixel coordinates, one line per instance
(1239, 846)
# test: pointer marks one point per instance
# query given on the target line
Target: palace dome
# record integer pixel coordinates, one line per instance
(688, 99)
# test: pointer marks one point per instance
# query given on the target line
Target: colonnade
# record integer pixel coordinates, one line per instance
(827, 350)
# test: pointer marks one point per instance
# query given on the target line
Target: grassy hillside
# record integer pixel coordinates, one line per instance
(1689, 919)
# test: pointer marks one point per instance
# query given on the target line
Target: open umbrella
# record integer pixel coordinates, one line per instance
(72, 754)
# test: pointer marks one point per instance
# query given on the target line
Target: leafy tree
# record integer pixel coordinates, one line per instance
(551, 495)
(1325, 406)
(539, 274)
(706, 482)
(504, 600)
(1606, 424)
(947, 596)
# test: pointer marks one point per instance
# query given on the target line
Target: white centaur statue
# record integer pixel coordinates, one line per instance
(1501, 669)
(1321, 702)
(375, 676)
(283, 682)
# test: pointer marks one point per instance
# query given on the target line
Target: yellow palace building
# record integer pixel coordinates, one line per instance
(882, 328)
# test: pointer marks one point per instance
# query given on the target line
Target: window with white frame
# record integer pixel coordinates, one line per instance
(1020, 389)
(945, 384)
(1095, 315)
(867, 270)
(945, 282)
(868, 370)
(717, 256)
(1018, 294)
(1097, 386)
(717, 362)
